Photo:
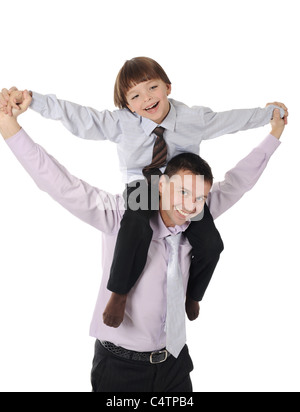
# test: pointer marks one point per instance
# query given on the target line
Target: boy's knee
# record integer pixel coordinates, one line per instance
(218, 244)
(138, 223)
(211, 247)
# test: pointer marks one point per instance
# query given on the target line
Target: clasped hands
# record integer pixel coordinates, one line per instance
(14, 102)
(11, 106)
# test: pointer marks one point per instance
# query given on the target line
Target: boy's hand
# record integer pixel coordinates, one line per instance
(282, 106)
(278, 124)
(10, 99)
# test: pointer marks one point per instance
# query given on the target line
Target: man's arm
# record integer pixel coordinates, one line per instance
(95, 207)
(218, 124)
(246, 173)
(81, 121)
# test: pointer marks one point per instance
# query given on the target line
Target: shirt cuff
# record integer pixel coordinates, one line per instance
(270, 110)
(269, 145)
(20, 143)
(38, 102)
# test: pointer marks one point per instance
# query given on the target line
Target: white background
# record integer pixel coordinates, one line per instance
(221, 54)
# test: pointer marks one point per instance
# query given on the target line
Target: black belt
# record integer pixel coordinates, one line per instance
(151, 357)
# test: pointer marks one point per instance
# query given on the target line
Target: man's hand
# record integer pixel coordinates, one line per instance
(282, 106)
(8, 124)
(278, 124)
(10, 99)
(23, 102)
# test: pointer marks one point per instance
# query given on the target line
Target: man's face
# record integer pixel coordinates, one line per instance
(182, 197)
(150, 99)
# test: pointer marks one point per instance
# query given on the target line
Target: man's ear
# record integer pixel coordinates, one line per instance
(161, 184)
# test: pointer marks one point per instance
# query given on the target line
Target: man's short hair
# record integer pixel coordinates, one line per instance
(133, 72)
(192, 163)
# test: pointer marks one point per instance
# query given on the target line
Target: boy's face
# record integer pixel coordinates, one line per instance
(182, 197)
(150, 99)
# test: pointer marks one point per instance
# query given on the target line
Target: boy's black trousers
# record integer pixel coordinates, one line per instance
(134, 239)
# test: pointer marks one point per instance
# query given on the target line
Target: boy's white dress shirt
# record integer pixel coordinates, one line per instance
(185, 128)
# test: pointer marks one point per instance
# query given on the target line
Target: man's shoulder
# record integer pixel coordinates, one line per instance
(111, 209)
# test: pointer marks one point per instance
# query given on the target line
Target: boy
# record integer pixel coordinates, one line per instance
(149, 129)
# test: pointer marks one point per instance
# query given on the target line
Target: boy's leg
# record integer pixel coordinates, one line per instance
(132, 244)
(130, 257)
(207, 247)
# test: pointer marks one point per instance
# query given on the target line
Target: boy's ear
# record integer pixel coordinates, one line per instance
(169, 89)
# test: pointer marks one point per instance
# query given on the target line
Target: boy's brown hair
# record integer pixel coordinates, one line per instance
(134, 71)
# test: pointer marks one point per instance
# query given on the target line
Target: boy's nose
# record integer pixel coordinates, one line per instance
(147, 97)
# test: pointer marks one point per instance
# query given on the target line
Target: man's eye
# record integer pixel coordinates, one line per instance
(200, 199)
(184, 192)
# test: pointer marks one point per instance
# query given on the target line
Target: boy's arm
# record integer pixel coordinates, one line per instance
(81, 121)
(218, 124)
(95, 207)
(246, 173)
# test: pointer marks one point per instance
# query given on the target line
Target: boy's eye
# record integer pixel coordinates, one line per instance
(153, 87)
(184, 192)
(134, 97)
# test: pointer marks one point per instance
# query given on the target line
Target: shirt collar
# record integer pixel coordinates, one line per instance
(168, 123)
(160, 230)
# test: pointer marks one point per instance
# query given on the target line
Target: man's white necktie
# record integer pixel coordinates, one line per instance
(175, 322)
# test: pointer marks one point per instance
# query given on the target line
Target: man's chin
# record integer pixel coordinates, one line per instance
(180, 222)
(182, 218)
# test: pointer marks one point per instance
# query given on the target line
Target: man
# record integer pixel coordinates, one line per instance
(136, 356)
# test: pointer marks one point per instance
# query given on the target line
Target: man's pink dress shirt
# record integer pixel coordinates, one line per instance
(143, 328)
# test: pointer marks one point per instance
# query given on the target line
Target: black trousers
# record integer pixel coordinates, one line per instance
(134, 239)
(111, 373)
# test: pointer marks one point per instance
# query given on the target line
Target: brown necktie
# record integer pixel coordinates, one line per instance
(159, 156)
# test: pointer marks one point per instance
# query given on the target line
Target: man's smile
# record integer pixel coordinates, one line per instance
(181, 212)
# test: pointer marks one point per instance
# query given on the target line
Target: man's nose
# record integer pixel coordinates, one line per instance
(189, 204)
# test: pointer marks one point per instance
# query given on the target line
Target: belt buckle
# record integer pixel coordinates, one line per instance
(158, 353)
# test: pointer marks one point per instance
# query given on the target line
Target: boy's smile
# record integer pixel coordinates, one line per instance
(150, 99)
(153, 108)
